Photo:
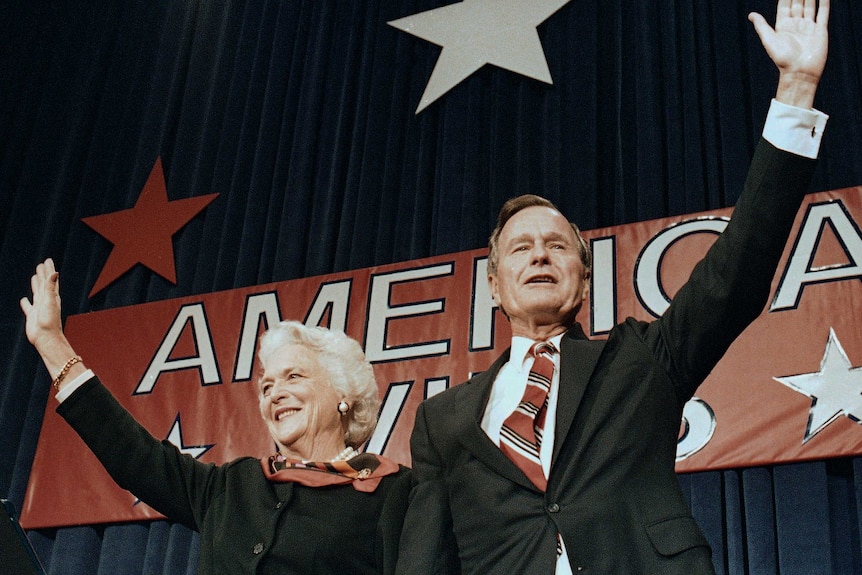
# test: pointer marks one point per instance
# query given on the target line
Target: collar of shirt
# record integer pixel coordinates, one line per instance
(508, 389)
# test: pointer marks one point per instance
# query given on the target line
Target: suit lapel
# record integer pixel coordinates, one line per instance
(472, 400)
(578, 357)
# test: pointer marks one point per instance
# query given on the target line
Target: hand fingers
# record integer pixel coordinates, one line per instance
(763, 29)
(35, 284)
(43, 283)
(51, 275)
(45, 269)
(46, 276)
(26, 306)
(754, 17)
(823, 13)
(809, 10)
(797, 8)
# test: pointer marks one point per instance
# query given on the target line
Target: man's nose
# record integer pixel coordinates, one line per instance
(539, 253)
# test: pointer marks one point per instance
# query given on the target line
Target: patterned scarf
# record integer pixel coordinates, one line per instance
(364, 471)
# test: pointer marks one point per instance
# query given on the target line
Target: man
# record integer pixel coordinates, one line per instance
(599, 494)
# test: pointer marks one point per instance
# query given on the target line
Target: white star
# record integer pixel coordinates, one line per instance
(834, 390)
(175, 436)
(478, 32)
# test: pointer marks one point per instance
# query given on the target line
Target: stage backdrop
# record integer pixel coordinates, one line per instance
(301, 116)
(785, 391)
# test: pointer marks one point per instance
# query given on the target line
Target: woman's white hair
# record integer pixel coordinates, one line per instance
(342, 357)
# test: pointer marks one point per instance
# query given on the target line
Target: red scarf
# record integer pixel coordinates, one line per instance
(364, 471)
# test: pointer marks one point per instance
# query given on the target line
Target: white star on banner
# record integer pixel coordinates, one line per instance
(478, 32)
(176, 438)
(834, 390)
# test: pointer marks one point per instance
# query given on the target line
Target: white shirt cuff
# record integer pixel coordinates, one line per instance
(794, 130)
(70, 387)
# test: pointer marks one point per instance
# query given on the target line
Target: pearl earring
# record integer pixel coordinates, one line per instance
(343, 407)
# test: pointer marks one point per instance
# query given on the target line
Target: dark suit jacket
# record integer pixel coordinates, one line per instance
(247, 523)
(612, 491)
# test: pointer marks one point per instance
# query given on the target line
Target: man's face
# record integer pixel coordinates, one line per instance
(540, 279)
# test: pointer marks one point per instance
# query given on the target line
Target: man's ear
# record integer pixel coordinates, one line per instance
(494, 288)
(586, 289)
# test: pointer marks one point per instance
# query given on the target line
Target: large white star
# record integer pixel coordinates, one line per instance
(478, 32)
(834, 390)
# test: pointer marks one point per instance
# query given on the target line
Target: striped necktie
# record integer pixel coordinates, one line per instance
(521, 434)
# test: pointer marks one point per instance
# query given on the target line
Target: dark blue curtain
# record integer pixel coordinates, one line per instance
(300, 114)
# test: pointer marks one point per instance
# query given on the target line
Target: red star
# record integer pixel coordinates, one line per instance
(143, 234)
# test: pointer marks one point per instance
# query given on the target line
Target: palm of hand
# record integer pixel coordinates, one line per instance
(799, 45)
(43, 316)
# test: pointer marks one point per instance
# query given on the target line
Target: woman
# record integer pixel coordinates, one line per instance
(316, 506)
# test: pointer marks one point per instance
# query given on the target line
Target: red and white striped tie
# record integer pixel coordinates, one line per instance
(521, 434)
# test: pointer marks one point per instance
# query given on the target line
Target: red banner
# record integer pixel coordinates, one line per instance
(787, 390)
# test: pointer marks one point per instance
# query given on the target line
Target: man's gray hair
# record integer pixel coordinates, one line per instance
(515, 205)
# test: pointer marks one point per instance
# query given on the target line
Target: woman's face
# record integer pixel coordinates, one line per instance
(299, 406)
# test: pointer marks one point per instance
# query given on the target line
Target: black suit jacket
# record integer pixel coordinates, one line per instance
(612, 491)
(247, 523)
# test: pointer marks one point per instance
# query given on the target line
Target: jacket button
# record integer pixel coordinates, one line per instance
(258, 549)
(278, 505)
(553, 508)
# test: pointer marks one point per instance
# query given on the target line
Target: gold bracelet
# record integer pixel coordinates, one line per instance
(65, 370)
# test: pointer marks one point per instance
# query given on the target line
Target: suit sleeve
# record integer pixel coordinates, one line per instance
(391, 522)
(174, 484)
(728, 289)
(428, 544)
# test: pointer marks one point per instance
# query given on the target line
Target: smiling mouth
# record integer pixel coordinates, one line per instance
(284, 413)
(541, 280)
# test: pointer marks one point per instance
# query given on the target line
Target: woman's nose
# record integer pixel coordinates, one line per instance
(279, 390)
